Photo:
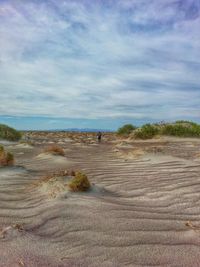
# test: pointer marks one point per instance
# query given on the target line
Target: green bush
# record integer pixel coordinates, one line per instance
(9, 133)
(188, 123)
(147, 131)
(181, 130)
(126, 129)
(79, 183)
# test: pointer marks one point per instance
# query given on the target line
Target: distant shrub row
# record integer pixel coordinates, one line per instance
(179, 129)
(9, 133)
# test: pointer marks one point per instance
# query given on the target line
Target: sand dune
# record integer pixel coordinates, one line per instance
(136, 214)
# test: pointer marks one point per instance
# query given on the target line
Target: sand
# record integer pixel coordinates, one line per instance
(142, 210)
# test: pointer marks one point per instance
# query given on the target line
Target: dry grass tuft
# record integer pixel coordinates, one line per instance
(1, 149)
(79, 183)
(6, 158)
(55, 150)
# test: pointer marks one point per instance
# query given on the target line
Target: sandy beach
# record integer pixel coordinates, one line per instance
(142, 209)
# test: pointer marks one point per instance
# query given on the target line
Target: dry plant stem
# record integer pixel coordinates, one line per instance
(192, 226)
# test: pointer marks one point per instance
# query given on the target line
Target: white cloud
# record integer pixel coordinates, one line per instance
(72, 60)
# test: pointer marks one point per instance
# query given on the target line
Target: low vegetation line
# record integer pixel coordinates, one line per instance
(147, 131)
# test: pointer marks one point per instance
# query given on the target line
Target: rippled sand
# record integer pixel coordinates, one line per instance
(143, 209)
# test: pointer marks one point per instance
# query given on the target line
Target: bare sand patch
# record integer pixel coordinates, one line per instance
(55, 187)
(24, 146)
(58, 186)
(52, 158)
(128, 155)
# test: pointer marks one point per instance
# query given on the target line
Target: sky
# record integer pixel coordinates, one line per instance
(98, 63)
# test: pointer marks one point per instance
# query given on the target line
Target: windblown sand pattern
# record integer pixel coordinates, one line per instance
(141, 211)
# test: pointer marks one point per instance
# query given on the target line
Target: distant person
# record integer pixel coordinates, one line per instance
(99, 135)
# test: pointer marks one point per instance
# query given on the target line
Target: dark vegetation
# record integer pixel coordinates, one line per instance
(126, 129)
(147, 131)
(182, 129)
(178, 129)
(9, 133)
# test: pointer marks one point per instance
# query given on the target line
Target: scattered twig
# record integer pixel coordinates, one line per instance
(4, 231)
(192, 226)
(65, 258)
(17, 226)
(21, 263)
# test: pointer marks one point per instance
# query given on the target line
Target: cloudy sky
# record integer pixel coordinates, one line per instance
(99, 63)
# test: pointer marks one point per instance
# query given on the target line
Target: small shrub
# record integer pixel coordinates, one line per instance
(126, 129)
(147, 131)
(55, 149)
(9, 158)
(2, 156)
(9, 133)
(79, 183)
(1, 149)
(6, 158)
(72, 173)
